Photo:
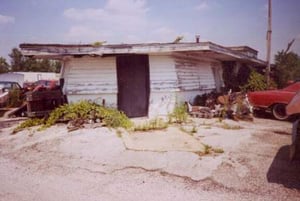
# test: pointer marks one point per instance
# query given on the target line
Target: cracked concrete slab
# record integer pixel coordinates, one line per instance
(93, 164)
(170, 139)
(102, 146)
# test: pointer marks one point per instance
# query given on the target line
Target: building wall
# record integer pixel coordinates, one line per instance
(172, 79)
(195, 77)
(163, 85)
(91, 78)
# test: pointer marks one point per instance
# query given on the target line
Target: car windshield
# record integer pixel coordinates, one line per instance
(5, 85)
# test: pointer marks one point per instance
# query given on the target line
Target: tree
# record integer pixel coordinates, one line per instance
(287, 67)
(4, 67)
(21, 63)
(17, 60)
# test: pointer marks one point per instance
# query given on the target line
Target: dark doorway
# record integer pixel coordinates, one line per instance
(133, 84)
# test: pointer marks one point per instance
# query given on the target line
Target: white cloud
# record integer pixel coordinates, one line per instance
(127, 7)
(84, 14)
(165, 34)
(118, 21)
(6, 19)
(114, 9)
(202, 6)
(85, 34)
(118, 18)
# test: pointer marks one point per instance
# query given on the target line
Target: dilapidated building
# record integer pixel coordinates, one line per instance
(143, 79)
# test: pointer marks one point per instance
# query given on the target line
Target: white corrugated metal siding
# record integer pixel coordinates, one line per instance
(163, 76)
(91, 78)
(172, 79)
(163, 85)
(195, 77)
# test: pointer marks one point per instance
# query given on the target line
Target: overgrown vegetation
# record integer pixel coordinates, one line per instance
(83, 112)
(26, 64)
(15, 98)
(154, 124)
(287, 66)
(234, 78)
(179, 115)
(256, 82)
(29, 123)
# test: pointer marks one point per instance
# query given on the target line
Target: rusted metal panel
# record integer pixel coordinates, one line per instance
(40, 103)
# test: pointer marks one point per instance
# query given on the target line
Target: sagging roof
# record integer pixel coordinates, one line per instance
(206, 49)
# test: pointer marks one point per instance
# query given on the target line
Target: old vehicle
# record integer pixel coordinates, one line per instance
(274, 100)
(29, 86)
(46, 85)
(7, 85)
(293, 108)
(5, 88)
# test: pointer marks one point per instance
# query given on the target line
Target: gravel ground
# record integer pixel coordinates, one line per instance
(94, 164)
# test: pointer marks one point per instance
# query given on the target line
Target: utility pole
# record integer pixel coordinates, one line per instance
(269, 32)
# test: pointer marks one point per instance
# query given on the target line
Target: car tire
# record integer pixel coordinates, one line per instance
(278, 111)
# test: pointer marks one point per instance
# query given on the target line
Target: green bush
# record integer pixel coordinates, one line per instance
(256, 82)
(89, 111)
(29, 123)
(84, 111)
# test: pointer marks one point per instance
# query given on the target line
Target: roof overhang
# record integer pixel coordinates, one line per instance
(204, 49)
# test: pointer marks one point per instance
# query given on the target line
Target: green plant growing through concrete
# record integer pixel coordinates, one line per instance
(194, 129)
(179, 114)
(191, 131)
(154, 124)
(119, 133)
(209, 150)
(231, 127)
(218, 150)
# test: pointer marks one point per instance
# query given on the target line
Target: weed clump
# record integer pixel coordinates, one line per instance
(83, 112)
(210, 150)
(28, 123)
(154, 124)
(231, 127)
(179, 114)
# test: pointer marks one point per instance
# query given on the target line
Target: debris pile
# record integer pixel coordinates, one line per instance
(231, 106)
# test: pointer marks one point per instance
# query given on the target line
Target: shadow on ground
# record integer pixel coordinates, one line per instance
(285, 172)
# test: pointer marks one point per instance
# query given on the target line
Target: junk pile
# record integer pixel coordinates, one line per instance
(233, 105)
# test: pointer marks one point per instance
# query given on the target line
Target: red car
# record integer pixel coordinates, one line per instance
(274, 100)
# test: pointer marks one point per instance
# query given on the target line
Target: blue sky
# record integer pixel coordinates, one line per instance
(225, 22)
